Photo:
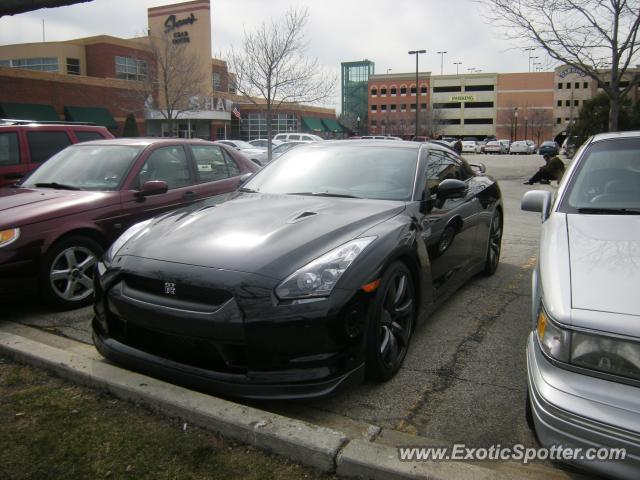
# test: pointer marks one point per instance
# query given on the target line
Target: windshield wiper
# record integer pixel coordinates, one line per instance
(247, 190)
(59, 186)
(609, 211)
(324, 194)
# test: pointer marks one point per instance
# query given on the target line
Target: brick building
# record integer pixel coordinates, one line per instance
(102, 79)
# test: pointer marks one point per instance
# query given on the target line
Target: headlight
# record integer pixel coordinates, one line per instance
(318, 278)
(9, 236)
(595, 352)
(124, 238)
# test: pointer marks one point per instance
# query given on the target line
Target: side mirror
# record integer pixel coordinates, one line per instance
(537, 201)
(245, 177)
(479, 166)
(451, 188)
(153, 187)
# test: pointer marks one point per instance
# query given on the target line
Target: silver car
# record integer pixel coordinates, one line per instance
(583, 353)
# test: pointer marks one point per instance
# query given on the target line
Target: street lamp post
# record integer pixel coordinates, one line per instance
(529, 50)
(515, 133)
(416, 53)
(442, 60)
(358, 120)
(457, 64)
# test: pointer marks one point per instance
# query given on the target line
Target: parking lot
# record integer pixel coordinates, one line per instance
(464, 379)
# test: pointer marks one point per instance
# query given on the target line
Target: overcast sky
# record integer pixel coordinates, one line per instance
(338, 30)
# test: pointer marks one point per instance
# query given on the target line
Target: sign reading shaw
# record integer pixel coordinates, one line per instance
(172, 22)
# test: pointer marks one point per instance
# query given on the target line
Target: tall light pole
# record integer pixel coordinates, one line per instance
(442, 60)
(530, 49)
(515, 133)
(457, 64)
(416, 53)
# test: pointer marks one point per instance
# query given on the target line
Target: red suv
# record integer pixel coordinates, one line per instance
(58, 221)
(25, 145)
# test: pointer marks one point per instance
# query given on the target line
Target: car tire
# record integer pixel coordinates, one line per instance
(66, 279)
(391, 320)
(494, 244)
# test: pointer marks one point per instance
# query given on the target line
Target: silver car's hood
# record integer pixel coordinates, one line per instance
(604, 258)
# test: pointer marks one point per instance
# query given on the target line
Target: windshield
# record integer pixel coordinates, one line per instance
(607, 178)
(375, 172)
(243, 145)
(85, 167)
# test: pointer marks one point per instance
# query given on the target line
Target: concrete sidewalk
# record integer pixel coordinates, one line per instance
(349, 449)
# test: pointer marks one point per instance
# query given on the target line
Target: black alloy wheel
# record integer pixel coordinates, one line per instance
(391, 323)
(494, 244)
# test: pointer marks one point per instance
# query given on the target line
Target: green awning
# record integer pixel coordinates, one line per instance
(28, 111)
(331, 125)
(312, 124)
(97, 115)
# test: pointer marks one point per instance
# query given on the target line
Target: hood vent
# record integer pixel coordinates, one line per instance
(301, 216)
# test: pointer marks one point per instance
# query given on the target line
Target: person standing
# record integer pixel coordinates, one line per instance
(457, 146)
(553, 169)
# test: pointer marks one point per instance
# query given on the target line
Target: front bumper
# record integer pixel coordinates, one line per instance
(225, 332)
(579, 411)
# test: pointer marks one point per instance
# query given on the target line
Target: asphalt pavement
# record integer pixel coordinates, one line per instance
(464, 378)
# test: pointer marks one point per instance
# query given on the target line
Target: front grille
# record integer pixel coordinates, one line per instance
(183, 291)
(197, 352)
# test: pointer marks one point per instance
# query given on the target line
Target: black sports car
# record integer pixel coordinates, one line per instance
(312, 275)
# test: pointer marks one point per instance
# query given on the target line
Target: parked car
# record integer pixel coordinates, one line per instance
(549, 147)
(253, 153)
(264, 143)
(307, 278)
(469, 146)
(278, 151)
(24, 145)
(569, 146)
(58, 222)
(505, 145)
(583, 352)
(298, 137)
(494, 146)
(521, 147)
(532, 146)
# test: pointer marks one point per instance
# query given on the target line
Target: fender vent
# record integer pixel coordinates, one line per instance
(301, 216)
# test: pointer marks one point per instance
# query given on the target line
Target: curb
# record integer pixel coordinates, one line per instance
(320, 447)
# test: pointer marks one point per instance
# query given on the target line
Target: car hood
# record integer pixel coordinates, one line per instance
(270, 235)
(24, 206)
(604, 256)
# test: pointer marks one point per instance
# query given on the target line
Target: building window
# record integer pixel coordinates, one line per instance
(413, 107)
(566, 120)
(131, 68)
(560, 86)
(478, 105)
(568, 85)
(455, 88)
(478, 121)
(559, 103)
(73, 66)
(577, 85)
(42, 64)
(374, 92)
(423, 107)
(558, 121)
(383, 91)
(374, 108)
(478, 88)
(383, 108)
(576, 103)
(255, 125)
(403, 90)
(232, 84)
(447, 105)
(217, 81)
(585, 84)
(393, 91)
(403, 107)
(567, 103)
(423, 89)
(374, 123)
(393, 107)
(413, 89)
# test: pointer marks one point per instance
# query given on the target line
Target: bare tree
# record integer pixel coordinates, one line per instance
(13, 7)
(585, 34)
(174, 82)
(432, 122)
(540, 122)
(272, 68)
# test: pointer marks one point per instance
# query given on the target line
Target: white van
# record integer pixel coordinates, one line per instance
(298, 137)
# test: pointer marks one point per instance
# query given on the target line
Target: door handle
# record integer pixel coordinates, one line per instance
(189, 195)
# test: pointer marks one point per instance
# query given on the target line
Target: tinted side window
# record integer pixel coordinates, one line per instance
(87, 136)
(306, 137)
(294, 137)
(9, 152)
(210, 163)
(440, 167)
(234, 171)
(168, 164)
(43, 145)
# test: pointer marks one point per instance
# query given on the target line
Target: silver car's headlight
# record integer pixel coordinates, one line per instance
(318, 278)
(124, 238)
(588, 350)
